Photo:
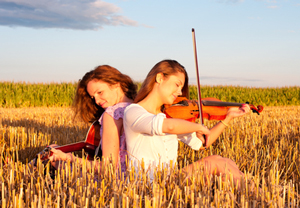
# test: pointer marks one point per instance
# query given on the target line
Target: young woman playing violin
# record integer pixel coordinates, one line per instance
(153, 138)
(103, 94)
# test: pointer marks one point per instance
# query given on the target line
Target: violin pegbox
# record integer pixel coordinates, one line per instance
(257, 109)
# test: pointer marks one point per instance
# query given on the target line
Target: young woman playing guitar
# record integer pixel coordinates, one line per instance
(102, 95)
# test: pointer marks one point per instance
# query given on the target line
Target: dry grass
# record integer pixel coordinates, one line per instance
(265, 147)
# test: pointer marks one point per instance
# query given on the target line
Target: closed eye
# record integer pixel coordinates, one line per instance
(178, 85)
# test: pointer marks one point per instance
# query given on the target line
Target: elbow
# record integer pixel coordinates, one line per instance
(168, 127)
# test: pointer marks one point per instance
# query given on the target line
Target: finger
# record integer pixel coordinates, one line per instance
(202, 140)
(246, 106)
(52, 158)
(201, 137)
(206, 141)
(55, 151)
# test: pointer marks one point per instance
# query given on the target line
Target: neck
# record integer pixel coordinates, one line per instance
(126, 99)
(121, 97)
(152, 103)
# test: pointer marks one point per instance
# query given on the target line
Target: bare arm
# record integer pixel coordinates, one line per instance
(110, 139)
(216, 131)
(110, 144)
(180, 126)
(59, 155)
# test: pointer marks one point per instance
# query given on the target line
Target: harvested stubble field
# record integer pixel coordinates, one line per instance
(265, 147)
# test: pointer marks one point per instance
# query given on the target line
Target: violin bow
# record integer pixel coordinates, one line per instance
(198, 83)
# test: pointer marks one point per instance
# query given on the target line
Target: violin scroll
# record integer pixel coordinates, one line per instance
(257, 109)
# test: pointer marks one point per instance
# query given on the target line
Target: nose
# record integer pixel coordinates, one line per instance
(97, 100)
(179, 92)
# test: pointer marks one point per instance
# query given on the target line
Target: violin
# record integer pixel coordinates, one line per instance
(212, 109)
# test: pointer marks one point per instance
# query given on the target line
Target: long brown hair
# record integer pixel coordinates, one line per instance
(167, 68)
(85, 106)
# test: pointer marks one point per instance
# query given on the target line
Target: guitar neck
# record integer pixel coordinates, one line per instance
(72, 147)
(90, 144)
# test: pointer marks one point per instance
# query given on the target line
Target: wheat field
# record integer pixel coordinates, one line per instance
(265, 147)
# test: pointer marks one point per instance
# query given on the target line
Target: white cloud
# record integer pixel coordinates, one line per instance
(69, 14)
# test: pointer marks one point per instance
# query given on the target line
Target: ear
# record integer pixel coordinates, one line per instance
(159, 78)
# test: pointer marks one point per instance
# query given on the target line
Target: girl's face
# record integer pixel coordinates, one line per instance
(171, 87)
(105, 95)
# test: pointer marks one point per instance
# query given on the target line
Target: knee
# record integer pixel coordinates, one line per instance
(216, 158)
(217, 162)
(213, 161)
(220, 159)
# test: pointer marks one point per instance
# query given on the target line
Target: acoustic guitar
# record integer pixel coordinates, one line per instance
(90, 145)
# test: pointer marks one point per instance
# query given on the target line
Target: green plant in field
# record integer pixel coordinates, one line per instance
(14, 95)
(258, 96)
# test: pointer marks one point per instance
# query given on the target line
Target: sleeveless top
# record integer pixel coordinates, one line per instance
(117, 112)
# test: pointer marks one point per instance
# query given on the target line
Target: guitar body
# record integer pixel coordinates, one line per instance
(92, 141)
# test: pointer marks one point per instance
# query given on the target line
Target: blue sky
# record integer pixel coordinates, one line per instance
(253, 43)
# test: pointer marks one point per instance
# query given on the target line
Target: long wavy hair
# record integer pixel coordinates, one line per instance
(85, 106)
(167, 68)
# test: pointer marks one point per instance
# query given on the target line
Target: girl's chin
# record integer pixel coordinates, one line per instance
(104, 106)
(173, 100)
(170, 102)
